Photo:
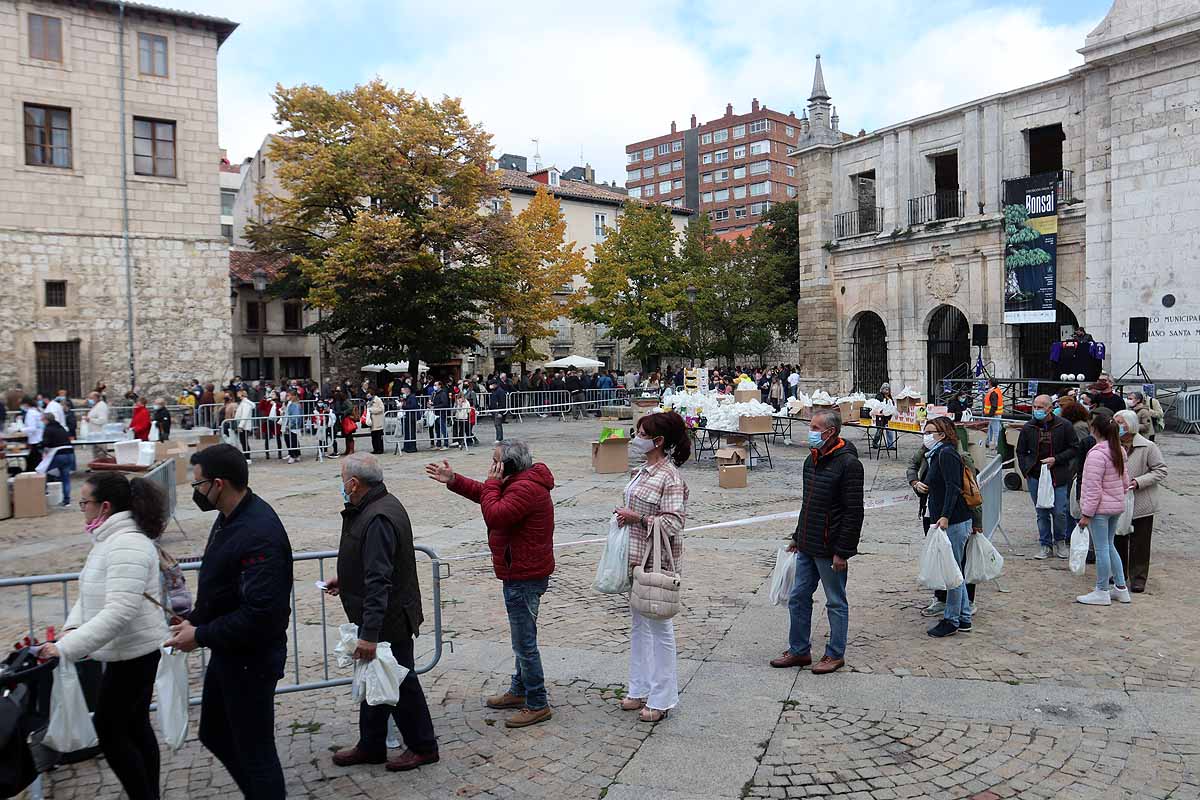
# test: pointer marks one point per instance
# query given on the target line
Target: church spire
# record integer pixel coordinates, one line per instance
(818, 89)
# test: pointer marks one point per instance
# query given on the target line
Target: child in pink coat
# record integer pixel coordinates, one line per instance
(1101, 503)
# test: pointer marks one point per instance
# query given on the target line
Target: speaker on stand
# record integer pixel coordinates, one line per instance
(1139, 334)
(979, 340)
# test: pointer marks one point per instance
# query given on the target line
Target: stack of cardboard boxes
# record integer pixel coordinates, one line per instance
(731, 464)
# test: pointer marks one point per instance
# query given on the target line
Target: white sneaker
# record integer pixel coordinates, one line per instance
(974, 609)
(1120, 595)
(934, 609)
(1044, 553)
(1062, 550)
(1097, 597)
(291, 460)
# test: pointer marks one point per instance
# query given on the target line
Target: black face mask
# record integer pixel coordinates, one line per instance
(201, 500)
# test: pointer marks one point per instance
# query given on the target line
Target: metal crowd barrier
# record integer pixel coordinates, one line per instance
(163, 473)
(404, 427)
(542, 402)
(280, 431)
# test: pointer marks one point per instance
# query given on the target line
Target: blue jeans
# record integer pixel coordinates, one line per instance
(1108, 560)
(994, 427)
(521, 600)
(64, 462)
(809, 571)
(1056, 517)
(958, 605)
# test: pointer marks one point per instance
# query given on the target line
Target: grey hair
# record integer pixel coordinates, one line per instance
(829, 418)
(363, 466)
(1138, 396)
(515, 452)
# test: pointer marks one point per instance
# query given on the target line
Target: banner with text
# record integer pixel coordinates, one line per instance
(1031, 253)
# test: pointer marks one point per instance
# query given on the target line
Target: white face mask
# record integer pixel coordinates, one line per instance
(930, 440)
(641, 445)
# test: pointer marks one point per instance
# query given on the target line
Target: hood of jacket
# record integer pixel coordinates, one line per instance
(539, 473)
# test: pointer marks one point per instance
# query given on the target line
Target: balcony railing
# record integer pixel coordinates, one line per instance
(504, 339)
(947, 204)
(856, 223)
(1063, 180)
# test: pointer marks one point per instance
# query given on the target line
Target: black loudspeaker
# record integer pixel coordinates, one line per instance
(1139, 330)
(979, 335)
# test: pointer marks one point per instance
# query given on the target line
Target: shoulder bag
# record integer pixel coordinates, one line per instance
(655, 591)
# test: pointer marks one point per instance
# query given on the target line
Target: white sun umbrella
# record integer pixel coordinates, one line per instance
(576, 361)
(396, 366)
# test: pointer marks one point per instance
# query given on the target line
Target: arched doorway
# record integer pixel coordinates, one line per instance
(1034, 344)
(949, 347)
(868, 352)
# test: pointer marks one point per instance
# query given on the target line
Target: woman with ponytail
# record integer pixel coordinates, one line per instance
(1102, 500)
(114, 622)
(656, 493)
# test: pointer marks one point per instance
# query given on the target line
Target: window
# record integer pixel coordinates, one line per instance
(760, 167)
(739, 131)
(153, 147)
(664, 168)
(706, 158)
(635, 192)
(739, 192)
(760, 188)
(721, 136)
(648, 172)
(634, 156)
(706, 197)
(677, 183)
(1045, 149)
(739, 172)
(633, 175)
(739, 212)
(791, 171)
(152, 54)
(664, 148)
(56, 294)
(758, 126)
(294, 367)
(759, 208)
(648, 154)
(552, 177)
(758, 148)
(719, 214)
(47, 136)
(600, 224)
(256, 317)
(293, 318)
(721, 156)
(251, 371)
(497, 206)
(790, 131)
(648, 190)
(720, 195)
(791, 191)
(227, 233)
(707, 177)
(664, 187)
(227, 198)
(706, 138)
(677, 202)
(45, 38)
(57, 365)
(677, 165)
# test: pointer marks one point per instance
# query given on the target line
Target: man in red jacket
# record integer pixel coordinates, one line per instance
(519, 514)
(139, 425)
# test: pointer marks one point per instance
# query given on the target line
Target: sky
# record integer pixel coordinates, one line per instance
(585, 79)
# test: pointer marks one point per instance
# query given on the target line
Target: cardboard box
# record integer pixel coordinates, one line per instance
(845, 410)
(29, 495)
(611, 457)
(754, 424)
(730, 456)
(905, 405)
(732, 477)
(207, 440)
(746, 395)
(183, 466)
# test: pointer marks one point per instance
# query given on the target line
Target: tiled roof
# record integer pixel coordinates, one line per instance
(222, 26)
(242, 264)
(520, 182)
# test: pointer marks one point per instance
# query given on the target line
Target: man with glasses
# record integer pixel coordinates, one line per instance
(243, 601)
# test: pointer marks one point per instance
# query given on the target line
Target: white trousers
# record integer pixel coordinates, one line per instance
(652, 673)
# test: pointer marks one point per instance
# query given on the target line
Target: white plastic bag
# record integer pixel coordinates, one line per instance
(347, 643)
(70, 727)
(378, 681)
(171, 686)
(1125, 521)
(1045, 498)
(783, 577)
(1080, 537)
(612, 573)
(938, 567)
(984, 562)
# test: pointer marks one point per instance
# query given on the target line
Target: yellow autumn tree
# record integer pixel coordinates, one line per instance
(534, 271)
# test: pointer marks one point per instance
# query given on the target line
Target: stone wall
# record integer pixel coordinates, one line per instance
(817, 308)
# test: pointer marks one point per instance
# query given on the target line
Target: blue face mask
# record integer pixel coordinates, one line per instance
(815, 439)
(1121, 430)
(1039, 413)
(345, 495)
(1058, 411)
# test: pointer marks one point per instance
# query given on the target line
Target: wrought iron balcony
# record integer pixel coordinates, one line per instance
(946, 204)
(1063, 180)
(504, 339)
(858, 222)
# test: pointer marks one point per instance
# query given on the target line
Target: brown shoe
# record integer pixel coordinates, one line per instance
(410, 760)
(827, 665)
(506, 700)
(352, 756)
(528, 716)
(1137, 587)
(791, 660)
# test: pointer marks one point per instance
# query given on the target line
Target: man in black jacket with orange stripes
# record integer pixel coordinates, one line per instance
(826, 537)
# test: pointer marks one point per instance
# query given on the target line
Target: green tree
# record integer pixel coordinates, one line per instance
(379, 218)
(778, 285)
(635, 283)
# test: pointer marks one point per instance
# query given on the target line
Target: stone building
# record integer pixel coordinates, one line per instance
(902, 230)
(111, 257)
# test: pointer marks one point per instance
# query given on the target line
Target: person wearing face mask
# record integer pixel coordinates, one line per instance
(993, 407)
(113, 622)
(139, 424)
(1050, 440)
(377, 584)
(58, 454)
(1103, 394)
(1136, 402)
(1147, 469)
(519, 513)
(33, 425)
(243, 602)
(825, 539)
(162, 419)
(1105, 483)
(410, 412)
(440, 402)
(951, 513)
(97, 413)
(378, 414)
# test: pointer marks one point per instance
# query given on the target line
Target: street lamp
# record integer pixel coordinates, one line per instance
(691, 296)
(259, 277)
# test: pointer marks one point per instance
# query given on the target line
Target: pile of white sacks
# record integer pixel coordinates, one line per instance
(719, 411)
(798, 406)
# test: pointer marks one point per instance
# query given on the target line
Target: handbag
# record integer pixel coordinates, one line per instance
(348, 425)
(656, 590)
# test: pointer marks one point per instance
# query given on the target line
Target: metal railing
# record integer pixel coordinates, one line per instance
(1063, 180)
(858, 222)
(402, 429)
(946, 204)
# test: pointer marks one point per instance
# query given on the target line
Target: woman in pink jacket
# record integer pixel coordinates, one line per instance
(1102, 500)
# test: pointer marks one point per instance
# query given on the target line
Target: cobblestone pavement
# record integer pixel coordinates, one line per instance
(1046, 699)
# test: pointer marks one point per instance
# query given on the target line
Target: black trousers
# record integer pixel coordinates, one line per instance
(122, 721)
(293, 442)
(377, 442)
(411, 713)
(237, 723)
(1134, 549)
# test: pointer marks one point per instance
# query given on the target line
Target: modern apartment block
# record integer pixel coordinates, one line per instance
(739, 163)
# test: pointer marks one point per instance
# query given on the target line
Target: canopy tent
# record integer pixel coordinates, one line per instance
(397, 366)
(575, 361)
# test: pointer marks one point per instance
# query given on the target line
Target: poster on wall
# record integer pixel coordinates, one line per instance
(1030, 253)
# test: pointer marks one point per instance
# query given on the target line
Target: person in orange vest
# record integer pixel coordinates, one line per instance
(993, 406)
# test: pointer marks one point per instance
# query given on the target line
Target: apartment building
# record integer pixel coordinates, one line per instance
(664, 169)
(231, 181)
(111, 251)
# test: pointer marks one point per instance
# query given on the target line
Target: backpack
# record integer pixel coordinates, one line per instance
(176, 596)
(971, 494)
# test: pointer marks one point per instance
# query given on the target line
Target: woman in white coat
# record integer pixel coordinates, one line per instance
(113, 621)
(245, 422)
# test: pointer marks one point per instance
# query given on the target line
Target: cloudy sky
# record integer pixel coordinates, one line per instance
(592, 77)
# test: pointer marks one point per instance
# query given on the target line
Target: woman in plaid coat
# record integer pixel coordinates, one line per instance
(657, 491)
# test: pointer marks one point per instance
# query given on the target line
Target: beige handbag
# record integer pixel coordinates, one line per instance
(655, 592)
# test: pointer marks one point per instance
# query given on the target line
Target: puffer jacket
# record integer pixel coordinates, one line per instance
(1103, 487)
(378, 411)
(1145, 465)
(112, 621)
(831, 514)
(519, 514)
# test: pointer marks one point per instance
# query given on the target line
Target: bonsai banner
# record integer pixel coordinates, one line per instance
(1031, 254)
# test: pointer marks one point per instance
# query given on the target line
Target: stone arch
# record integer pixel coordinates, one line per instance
(1034, 341)
(867, 335)
(947, 346)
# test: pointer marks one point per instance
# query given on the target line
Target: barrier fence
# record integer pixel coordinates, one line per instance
(291, 435)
